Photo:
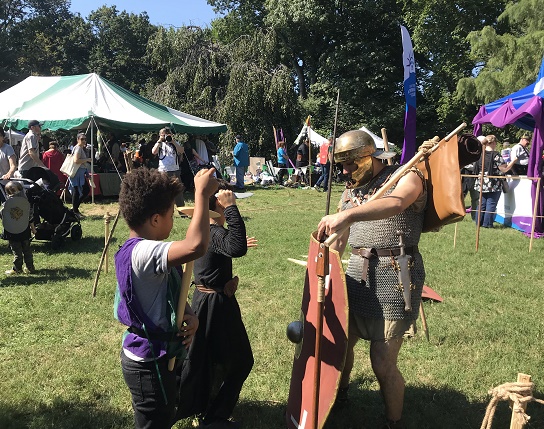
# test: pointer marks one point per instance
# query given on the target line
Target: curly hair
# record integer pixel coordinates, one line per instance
(223, 184)
(146, 192)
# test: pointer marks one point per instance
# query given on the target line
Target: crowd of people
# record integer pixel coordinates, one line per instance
(490, 180)
(212, 350)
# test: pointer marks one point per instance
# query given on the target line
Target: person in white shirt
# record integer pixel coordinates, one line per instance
(519, 157)
(170, 153)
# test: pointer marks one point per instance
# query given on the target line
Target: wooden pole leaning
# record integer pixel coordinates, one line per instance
(104, 253)
(397, 176)
(107, 219)
(182, 302)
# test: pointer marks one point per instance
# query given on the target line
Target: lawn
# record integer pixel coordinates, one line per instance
(59, 346)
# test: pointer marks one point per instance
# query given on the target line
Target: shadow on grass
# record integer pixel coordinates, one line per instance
(63, 414)
(43, 276)
(425, 409)
(87, 245)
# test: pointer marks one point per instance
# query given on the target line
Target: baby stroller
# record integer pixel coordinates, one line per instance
(53, 221)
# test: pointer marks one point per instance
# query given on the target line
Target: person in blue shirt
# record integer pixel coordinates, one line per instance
(241, 161)
(282, 161)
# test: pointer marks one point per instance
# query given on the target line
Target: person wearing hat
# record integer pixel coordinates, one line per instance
(241, 161)
(30, 149)
(519, 157)
(376, 302)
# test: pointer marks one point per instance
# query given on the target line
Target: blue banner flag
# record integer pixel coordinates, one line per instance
(409, 148)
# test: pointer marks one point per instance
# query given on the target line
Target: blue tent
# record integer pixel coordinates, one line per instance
(525, 109)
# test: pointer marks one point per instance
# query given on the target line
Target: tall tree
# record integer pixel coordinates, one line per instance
(439, 30)
(119, 48)
(508, 56)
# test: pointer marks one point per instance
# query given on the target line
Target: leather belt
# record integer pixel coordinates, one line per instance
(368, 254)
(204, 289)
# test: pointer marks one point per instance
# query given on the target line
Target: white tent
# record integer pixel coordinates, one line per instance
(378, 140)
(315, 138)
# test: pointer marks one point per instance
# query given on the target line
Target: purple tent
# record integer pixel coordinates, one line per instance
(524, 109)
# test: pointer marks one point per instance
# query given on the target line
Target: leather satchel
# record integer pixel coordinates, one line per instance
(69, 167)
(442, 171)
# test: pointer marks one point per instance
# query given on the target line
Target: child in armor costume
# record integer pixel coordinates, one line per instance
(376, 302)
(221, 353)
(149, 287)
(19, 243)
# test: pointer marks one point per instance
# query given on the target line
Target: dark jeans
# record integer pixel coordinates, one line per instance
(282, 172)
(148, 402)
(489, 205)
(324, 178)
(21, 251)
(77, 198)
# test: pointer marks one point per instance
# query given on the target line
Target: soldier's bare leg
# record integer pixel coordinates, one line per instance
(348, 366)
(383, 356)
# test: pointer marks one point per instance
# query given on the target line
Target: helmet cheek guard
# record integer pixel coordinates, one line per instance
(357, 146)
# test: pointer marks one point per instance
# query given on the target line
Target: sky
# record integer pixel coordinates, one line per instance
(166, 13)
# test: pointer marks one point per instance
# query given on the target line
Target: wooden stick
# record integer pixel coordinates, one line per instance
(396, 177)
(514, 422)
(479, 210)
(182, 302)
(104, 252)
(534, 214)
(386, 145)
(107, 219)
(423, 320)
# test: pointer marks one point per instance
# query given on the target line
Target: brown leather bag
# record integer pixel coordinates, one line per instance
(442, 171)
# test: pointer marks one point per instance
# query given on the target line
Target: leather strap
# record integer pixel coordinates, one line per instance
(368, 254)
(204, 289)
(392, 251)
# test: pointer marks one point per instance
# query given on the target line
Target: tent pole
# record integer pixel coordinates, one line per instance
(535, 208)
(91, 180)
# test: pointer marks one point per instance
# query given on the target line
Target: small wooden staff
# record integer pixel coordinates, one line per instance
(182, 302)
(107, 219)
(386, 145)
(396, 177)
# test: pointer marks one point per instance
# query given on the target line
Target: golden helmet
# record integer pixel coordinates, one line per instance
(353, 145)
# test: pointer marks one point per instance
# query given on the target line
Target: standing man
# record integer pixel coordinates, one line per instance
(519, 157)
(169, 152)
(8, 163)
(241, 161)
(376, 301)
(325, 161)
(303, 157)
(30, 154)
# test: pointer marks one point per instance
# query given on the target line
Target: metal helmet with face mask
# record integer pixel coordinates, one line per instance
(357, 146)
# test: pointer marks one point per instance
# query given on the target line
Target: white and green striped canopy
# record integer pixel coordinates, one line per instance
(69, 102)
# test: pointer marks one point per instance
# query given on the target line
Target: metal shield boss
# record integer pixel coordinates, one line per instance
(300, 412)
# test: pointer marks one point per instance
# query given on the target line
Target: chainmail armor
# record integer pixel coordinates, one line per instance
(380, 297)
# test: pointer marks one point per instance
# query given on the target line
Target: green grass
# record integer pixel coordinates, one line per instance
(59, 346)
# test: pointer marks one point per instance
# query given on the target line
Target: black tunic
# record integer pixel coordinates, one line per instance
(221, 341)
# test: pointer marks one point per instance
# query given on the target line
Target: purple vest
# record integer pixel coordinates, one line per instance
(128, 311)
